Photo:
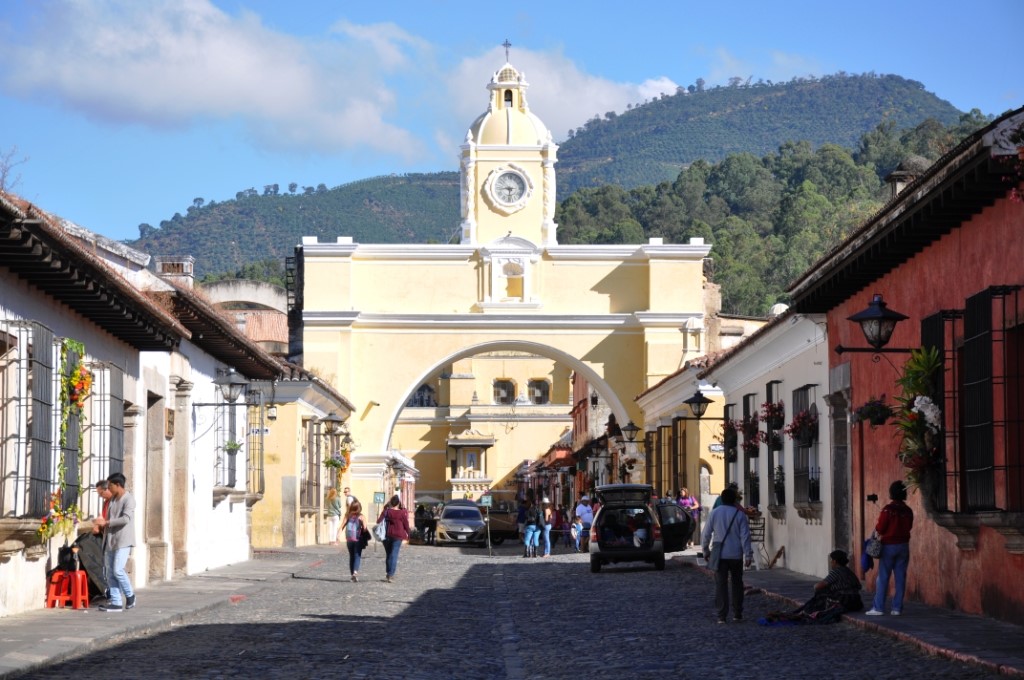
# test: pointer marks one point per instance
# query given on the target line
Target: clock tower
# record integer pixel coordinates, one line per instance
(508, 169)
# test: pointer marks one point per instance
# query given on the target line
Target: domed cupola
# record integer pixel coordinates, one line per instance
(508, 119)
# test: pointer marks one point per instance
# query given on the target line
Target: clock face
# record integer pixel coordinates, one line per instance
(509, 187)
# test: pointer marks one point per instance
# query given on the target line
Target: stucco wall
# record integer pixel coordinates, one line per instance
(987, 250)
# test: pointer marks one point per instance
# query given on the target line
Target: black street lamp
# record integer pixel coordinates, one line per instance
(630, 431)
(698, 404)
(231, 385)
(332, 422)
(877, 322)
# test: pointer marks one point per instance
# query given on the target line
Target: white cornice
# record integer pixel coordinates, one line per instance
(666, 319)
(439, 322)
(778, 346)
(387, 251)
(607, 253)
(676, 251)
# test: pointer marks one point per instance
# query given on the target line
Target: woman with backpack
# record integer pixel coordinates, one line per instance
(356, 537)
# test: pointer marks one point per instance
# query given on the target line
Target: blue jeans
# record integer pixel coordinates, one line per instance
(532, 534)
(355, 556)
(114, 562)
(893, 560)
(391, 547)
(547, 539)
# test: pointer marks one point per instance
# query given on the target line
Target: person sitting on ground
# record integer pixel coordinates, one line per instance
(834, 595)
(840, 584)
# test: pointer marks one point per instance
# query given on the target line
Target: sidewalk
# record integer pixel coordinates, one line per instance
(47, 636)
(993, 644)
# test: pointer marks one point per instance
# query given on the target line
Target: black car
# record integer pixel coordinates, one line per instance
(629, 528)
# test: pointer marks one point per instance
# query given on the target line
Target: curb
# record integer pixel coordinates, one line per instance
(871, 626)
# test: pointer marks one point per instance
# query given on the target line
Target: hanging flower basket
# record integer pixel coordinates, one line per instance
(339, 462)
(874, 411)
(730, 433)
(803, 428)
(774, 441)
(774, 414)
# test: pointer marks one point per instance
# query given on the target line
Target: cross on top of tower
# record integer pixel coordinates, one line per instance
(506, 45)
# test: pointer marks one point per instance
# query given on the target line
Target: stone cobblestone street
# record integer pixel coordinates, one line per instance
(458, 613)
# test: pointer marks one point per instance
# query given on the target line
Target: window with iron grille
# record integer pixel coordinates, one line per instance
(540, 391)
(309, 490)
(751, 479)
(103, 430)
(984, 430)
(806, 467)
(504, 392)
(255, 483)
(424, 397)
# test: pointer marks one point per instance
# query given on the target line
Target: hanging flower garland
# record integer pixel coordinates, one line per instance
(58, 520)
(75, 388)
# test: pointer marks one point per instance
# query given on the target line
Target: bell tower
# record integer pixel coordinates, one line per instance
(507, 168)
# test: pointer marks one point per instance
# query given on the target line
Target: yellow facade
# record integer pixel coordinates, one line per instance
(380, 321)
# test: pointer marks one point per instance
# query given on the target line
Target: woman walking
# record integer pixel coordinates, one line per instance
(547, 519)
(333, 514)
(397, 531)
(893, 528)
(355, 526)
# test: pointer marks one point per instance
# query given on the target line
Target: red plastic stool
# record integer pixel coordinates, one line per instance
(79, 589)
(59, 590)
(68, 587)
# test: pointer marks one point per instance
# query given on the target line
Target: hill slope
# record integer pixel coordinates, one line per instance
(416, 208)
(653, 142)
(646, 145)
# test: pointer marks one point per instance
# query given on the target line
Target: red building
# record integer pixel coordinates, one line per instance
(948, 252)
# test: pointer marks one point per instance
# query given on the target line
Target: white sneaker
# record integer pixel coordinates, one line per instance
(895, 612)
(873, 612)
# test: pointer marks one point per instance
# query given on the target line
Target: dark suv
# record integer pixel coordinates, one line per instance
(628, 528)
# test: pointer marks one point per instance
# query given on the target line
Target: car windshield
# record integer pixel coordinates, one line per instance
(461, 513)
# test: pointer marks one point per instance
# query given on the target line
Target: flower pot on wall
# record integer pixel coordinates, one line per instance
(808, 435)
(775, 441)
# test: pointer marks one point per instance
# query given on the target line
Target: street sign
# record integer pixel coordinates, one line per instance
(485, 501)
(378, 497)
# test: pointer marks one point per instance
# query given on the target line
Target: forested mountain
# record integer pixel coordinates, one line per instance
(415, 208)
(768, 214)
(651, 143)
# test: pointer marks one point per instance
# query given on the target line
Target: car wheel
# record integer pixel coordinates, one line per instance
(595, 564)
(659, 563)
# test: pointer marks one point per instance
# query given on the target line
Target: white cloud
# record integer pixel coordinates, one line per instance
(777, 67)
(561, 94)
(172, 63)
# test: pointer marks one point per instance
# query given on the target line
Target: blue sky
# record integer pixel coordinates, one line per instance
(119, 112)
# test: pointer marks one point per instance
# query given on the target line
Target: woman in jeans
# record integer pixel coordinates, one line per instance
(355, 525)
(397, 531)
(893, 527)
(532, 529)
